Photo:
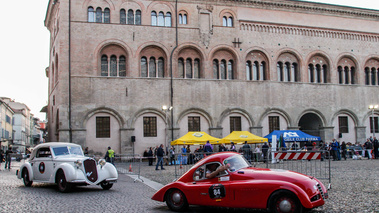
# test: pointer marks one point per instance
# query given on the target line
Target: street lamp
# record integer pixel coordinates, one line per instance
(372, 108)
(166, 109)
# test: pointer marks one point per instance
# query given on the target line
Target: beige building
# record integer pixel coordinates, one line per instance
(6, 128)
(221, 65)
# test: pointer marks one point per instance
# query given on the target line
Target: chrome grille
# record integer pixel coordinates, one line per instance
(320, 189)
(90, 170)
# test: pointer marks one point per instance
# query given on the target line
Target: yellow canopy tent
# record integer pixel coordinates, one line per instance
(239, 137)
(195, 138)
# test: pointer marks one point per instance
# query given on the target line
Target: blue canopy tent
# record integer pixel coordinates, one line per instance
(292, 136)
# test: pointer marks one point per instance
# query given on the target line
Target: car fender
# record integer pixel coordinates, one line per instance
(110, 169)
(69, 172)
(160, 194)
(299, 192)
(30, 171)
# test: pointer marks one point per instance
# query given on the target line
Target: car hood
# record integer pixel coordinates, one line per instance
(71, 158)
(268, 174)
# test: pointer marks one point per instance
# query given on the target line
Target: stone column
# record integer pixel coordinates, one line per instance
(326, 133)
(257, 130)
(360, 132)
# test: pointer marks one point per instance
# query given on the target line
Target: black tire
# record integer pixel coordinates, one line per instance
(26, 178)
(63, 186)
(284, 202)
(176, 200)
(106, 185)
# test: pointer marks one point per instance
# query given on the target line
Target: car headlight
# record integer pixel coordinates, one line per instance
(78, 163)
(102, 162)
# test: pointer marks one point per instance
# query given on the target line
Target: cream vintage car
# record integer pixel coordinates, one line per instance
(66, 165)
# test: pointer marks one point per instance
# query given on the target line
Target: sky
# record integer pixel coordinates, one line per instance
(24, 46)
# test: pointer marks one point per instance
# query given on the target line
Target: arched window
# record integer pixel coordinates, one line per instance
(180, 19)
(325, 73)
(216, 74)
(107, 15)
(113, 66)
(340, 75)
(223, 69)
(91, 14)
(318, 73)
(161, 19)
(122, 66)
(168, 19)
(154, 18)
(99, 15)
(181, 68)
(352, 74)
(255, 70)
(230, 22)
(311, 73)
(373, 76)
(248, 71)
(224, 21)
(143, 67)
(161, 67)
(104, 65)
(130, 16)
(152, 68)
(185, 19)
(189, 68)
(122, 16)
(346, 72)
(138, 17)
(280, 71)
(367, 76)
(263, 71)
(196, 68)
(230, 70)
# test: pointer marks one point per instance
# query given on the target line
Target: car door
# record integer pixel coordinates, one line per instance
(209, 192)
(42, 164)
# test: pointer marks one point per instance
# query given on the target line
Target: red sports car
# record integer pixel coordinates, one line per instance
(238, 185)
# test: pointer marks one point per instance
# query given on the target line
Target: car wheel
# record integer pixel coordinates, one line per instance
(106, 185)
(63, 186)
(26, 178)
(176, 200)
(285, 202)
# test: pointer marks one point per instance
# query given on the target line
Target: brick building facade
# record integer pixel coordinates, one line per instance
(222, 65)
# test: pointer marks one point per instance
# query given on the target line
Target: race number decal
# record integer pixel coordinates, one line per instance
(41, 167)
(216, 191)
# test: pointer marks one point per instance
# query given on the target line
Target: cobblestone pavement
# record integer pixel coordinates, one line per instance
(355, 188)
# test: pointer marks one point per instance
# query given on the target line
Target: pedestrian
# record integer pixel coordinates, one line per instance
(265, 148)
(368, 147)
(86, 151)
(246, 151)
(172, 156)
(150, 156)
(109, 155)
(334, 146)
(232, 147)
(344, 150)
(376, 147)
(160, 154)
(8, 158)
(257, 153)
(221, 148)
(208, 147)
(1, 157)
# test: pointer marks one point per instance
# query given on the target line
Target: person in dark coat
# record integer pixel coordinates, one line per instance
(376, 147)
(265, 149)
(150, 156)
(160, 154)
(8, 158)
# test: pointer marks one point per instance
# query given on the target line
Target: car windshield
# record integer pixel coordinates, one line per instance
(67, 150)
(236, 162)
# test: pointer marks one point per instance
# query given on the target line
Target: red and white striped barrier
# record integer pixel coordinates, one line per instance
(297, 155)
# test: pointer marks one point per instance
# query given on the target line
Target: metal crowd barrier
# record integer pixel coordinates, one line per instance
(312, 163)
(129, 164)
